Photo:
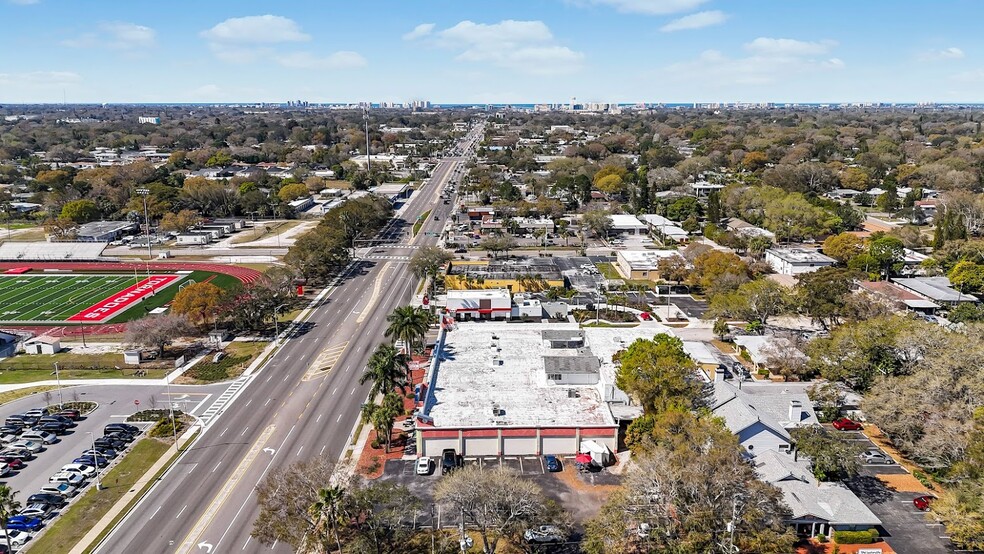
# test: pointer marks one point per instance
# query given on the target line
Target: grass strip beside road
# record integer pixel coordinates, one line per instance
(10, 396)
(420, 222)
(72, 525)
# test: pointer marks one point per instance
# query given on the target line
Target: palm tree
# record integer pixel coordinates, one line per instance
(387, 369)
(383, 417)
(409, 324)
(8, 507)
(328, 510)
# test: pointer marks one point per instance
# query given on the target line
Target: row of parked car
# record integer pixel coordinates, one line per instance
(67, 482)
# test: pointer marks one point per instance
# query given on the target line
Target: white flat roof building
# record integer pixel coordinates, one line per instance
(625, 224)
(794, 261)
(641, 264)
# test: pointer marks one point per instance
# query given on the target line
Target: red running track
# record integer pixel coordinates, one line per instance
(244, 274)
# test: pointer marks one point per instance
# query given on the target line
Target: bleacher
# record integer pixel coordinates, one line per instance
(52, 251)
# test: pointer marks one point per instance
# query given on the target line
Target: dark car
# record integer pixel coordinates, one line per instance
(97, 461)
(124, 427)
(29, 419)
(846, 424)
(14, 463)
(47, 498)
(120, 436)
(449, 460)
(74, 415)
(17, 453)
(923, 503)
(66, 421)
(11, 430)
(107, 442)
(552, 463)
(52, 427)
(24, 523)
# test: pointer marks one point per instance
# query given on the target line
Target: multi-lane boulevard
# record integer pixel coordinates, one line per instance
(287, 411)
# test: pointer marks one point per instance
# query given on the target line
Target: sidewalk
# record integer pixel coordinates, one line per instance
(133, 493)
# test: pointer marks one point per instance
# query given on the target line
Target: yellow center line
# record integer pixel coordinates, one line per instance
(189, 544)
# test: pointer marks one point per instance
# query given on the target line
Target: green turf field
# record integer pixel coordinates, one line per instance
(44, 298)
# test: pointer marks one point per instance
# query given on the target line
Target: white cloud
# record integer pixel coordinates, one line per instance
(24, 2)
(770, 61)
(39, 79)
(697, 20)
(306, 60)
(117, 35)
(256, 29)
(789, 47)
(523, 46)
(951, 53)
(419, 31)
(649, 7)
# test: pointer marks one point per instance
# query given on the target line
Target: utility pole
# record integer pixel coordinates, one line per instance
(365, 118)
(144, 193)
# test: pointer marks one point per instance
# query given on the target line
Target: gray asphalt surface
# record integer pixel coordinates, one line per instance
(206, 502)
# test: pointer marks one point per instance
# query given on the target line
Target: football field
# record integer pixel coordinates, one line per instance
(61, 298)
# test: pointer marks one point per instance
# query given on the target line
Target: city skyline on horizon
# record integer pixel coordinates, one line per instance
(611, 51)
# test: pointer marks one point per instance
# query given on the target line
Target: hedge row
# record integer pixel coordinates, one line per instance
(856, 537)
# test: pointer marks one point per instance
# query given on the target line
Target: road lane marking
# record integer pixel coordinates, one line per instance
(223, 432)
(351, 392)
(267, 402)
(189, 544)
(299, 450)
(319, 419)
(320, 454)
(334, 391)
(339, 418)
(375, 294)
(245, 544)
(161, 506)
(181, 512)
(244, 431)
(216, 467)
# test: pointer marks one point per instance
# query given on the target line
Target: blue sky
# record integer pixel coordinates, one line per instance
(474, 51)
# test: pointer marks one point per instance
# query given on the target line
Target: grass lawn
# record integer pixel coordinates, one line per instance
(609, 271)
(69, 529)
(26, 368)
(238, 357)
(420, 222)
(264, 230)
(10, 396)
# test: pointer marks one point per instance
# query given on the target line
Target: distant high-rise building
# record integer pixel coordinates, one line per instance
(149, 119)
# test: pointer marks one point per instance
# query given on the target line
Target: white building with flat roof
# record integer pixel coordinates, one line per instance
(795, 261)
(480, 303)
(642, 264)
(625, 224)
(525, 389)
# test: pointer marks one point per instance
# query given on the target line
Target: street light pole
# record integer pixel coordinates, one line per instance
(92, 438)
(144, 193)
(276, 324)
(170, 404)
(61, 398)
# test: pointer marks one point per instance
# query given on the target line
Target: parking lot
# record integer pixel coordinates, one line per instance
(572, 491)
(905, 528)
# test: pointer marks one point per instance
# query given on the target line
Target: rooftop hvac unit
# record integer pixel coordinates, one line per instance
(496, 361)
(571, 393)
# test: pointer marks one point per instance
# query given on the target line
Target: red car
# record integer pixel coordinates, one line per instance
(922, 503)
(14, 463)
(846, 424)
(645, 316)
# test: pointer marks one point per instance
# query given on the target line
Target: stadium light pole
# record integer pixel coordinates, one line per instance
(150, 250)
(81, 323)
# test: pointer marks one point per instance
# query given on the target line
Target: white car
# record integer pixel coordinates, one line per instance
(17, 538)
(40, 436)
(81, 469)
(73, 479)
(4, 469)
(423, 465)
(30, 446)
(7, 439)
(61, 489)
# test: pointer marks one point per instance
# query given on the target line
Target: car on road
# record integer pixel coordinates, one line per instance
(24, 523)
(923, 503)
(61, 489)
(544, 534)
(85, 470)
(876, 457)
(552, 463)
(46, 498)
(97, 461)
(423, 465)
(17, 538)
(30, 446)
(73, 479)
(846, 424)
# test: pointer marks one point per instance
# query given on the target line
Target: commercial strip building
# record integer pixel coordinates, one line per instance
(642, 264)
(525, 389)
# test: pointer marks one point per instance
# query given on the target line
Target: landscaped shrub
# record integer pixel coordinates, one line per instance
(84, 407)
(153, 415)
(164, 428)
(856, 537)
